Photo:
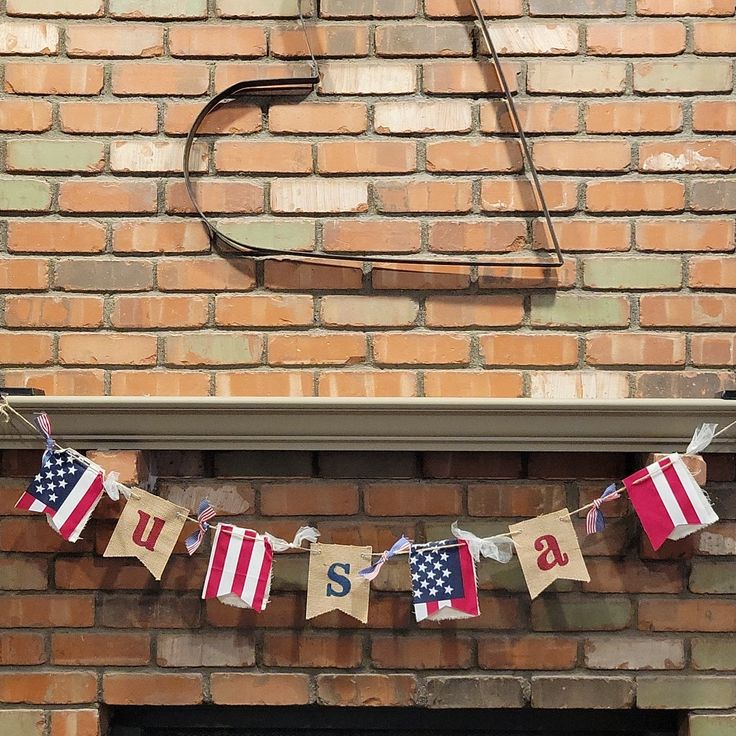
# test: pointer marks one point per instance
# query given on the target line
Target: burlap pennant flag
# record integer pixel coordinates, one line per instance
(548, 550)
(334, 582)
(147, 529)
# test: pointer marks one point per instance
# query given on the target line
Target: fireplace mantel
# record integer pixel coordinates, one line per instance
(628, 425)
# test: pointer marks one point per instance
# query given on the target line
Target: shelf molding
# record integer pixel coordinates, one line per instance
(491, 425)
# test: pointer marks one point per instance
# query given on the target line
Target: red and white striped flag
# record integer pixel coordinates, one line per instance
(240, 567)
(668, 500)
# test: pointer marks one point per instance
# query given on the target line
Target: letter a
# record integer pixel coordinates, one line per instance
(158, 525)
(551, 553)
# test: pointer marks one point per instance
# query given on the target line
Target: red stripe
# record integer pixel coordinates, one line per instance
(259, 601)
(87, 502)
(241, 569)
(686, 505)
(217, 559)
(26, 501)
(432, 607)
(649, 507)
(468, 604)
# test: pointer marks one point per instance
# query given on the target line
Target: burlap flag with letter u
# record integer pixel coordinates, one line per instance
(147, 529)
(334, 580)
(548, 550)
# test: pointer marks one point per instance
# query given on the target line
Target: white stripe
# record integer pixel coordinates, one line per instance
(254, 570)
(703, 509)
(665, 493)
(212, 557)
(72, 500)
(230, 565)
(445, 604)
(420, 611)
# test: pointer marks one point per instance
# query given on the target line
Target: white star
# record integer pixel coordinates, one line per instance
(437, 565)
(444, 557)
(49, 475)
(415, 576)
(424, 584)
(60, 472)
(59, 461)
(448, 589)
(431, 574)
(446, 573)
(433, 591)
(51, 486)
(37, 479)
(416, 594)
(422, 567)
(61, 483)
(52, 497)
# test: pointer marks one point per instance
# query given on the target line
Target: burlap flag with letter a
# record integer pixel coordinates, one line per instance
(548, 550)
(147, 529)
(334, 582)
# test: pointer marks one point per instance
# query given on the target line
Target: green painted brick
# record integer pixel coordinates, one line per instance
(632, 273)
(679, 692)
(159, 8)
(712, 725)
(715, 653)
(24, 195)
(579, 310)
(39, 155)
(711, 576)
(283, 235)
(585, 614)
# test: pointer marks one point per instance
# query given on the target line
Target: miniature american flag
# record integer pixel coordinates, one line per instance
(240, 566)
(443, 580)
(67, 490)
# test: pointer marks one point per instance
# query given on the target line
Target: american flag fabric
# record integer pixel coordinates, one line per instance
(66, 489)
(594, 520)
(668, 500)
(240, 567)
(205, 512)
(443, 580)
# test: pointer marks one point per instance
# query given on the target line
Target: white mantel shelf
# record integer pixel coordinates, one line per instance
(627, 425)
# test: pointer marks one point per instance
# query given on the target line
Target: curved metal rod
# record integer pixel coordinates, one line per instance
(307, 84)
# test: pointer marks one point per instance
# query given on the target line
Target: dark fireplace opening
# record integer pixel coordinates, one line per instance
(316, 720)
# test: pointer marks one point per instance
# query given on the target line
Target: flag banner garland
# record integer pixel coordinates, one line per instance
(147, 529)
(67, 489)
(205, 512)
(240, 568)
(335, 583)
(443, 581)
(548, 550)
(594, 520)
(668, 500)
(400, 546)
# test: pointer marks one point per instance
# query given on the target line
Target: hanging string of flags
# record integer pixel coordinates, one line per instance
(665, 496)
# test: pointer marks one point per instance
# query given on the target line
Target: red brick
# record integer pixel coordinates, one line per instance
(471, 384)
(685, 310)
(172, 78)
(364, 690)
(17, 348)
(280, 157)
(75, 722)
(373, 157)
(107, 195)
(532, 350)
(53, 311)
(54, 236)
(698, 234)
(471, 156)
(690, 156)
(536, 116)
(48, 688)
(413, 499)
(421, 349)
(261, 383)
(119, 688)
(319, 117)
(21, 649)
(115, 40)
(633, 576)
(517, 195)
(366, 383)
(213, 40)
(25, 116)
(667, 614)
(215, 196)
(636, 39)
(465, 311)
(527, 653)
(329, 349)
(260, 310)
(230, 119)
(634, 348)
(312, 499)
(635, 196)
(47, 78)
(326, 40)
(107, 349)
(515, 499)
(656, 116)
(466, 77)
(239, 688)
(100, 649)
(341, 650)
(20, 274)
(714, 116)
(685, 7)
(447, 651)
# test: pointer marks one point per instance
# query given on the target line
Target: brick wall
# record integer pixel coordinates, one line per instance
(80, 634)
(111, 287)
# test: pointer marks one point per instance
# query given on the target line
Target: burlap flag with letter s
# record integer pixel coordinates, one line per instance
(548, 550)
(147, 529)
(334, 582)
